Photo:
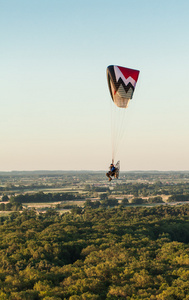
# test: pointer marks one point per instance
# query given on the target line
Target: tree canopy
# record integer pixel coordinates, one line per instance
(118, 253)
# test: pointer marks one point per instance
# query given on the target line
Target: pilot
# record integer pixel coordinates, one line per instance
(112, 171)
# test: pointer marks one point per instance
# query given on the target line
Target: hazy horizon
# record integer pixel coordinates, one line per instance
(95, 171)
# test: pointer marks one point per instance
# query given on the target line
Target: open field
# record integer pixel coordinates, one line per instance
(74, 188)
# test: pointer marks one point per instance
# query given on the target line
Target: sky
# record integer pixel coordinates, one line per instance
(55, 106)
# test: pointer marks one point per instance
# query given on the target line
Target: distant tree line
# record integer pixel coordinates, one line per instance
(105, 200)
(148, 189)
(10, 206)
(41, 197)
(178, 198)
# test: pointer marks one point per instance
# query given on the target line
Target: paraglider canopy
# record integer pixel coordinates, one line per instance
(121, 83)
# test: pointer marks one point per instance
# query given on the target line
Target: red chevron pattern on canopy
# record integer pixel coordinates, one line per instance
(121, 82)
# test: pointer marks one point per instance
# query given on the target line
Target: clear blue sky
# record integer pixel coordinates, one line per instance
(54, 99)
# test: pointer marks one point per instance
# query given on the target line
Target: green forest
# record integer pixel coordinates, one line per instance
(96, 253)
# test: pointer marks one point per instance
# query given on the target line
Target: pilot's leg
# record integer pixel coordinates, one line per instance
(108, 175)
